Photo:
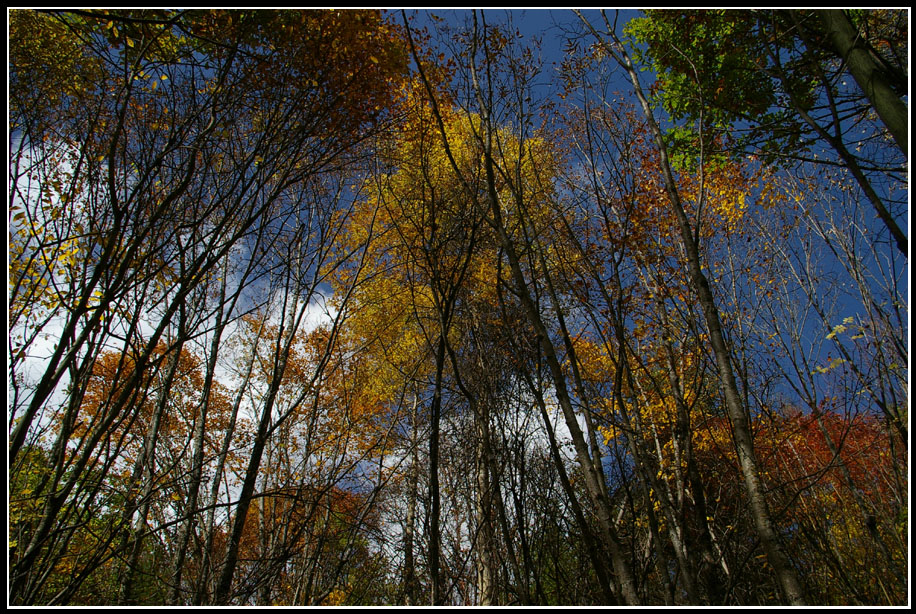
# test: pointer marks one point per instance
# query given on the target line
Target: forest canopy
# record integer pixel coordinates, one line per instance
(478, 307)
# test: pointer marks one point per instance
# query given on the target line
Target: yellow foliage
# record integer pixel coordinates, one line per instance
(419, 231)
(335, 597)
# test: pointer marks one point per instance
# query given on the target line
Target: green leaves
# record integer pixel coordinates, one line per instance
(715, 72)
(704, 62)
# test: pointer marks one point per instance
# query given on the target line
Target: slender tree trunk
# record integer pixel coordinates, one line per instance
(435, 536)
(744, 443)
(246, 496)
(591, 543)
(410, 572)
(146, 464)
(186, 528)
(284, 345)
(835, 140)
(203, 582)
(486, 573)
(593, 474)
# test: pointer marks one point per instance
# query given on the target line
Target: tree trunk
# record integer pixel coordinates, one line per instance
(410, 572)
(868, 75)
(744, 442)
(435, 538)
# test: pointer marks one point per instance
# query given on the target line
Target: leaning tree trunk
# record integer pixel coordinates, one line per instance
(744, 443)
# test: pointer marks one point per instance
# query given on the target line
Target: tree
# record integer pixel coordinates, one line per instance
(517, 199)
(423, 237)
(320, 307)
(789, 583)
(165, 169)
(780, 75)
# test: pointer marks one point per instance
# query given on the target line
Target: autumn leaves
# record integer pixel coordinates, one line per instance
(553, 364)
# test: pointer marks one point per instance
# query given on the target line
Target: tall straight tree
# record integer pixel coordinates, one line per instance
(792, 588)
(504, 158)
